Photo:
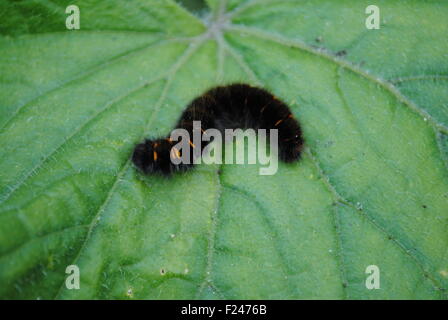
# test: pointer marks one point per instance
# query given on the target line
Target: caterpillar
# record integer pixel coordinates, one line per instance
(224, 107)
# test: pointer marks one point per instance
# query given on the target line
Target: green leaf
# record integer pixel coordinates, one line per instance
(371, 188)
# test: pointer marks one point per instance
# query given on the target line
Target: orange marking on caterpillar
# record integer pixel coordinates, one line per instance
(278, 122)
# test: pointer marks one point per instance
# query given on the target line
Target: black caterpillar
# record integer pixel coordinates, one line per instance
(225, 107)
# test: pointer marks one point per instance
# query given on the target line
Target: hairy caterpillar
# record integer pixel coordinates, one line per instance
(225, 107)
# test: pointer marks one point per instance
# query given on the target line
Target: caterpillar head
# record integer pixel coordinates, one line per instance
(153, 156)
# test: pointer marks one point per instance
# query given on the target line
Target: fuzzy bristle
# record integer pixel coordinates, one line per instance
(225, 107)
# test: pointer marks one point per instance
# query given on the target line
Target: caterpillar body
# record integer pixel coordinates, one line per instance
(224, 107)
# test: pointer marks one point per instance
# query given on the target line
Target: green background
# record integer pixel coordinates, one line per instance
(371, 189)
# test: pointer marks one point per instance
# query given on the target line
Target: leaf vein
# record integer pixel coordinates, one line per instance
(342, 270)
(407, 251)
(277, 38)
(286, 266)
(337, 196)
(173, 70)
(82, 75)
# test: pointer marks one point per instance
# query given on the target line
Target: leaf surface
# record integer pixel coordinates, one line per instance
(371, 188)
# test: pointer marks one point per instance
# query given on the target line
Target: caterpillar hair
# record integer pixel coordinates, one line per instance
(224, 107)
